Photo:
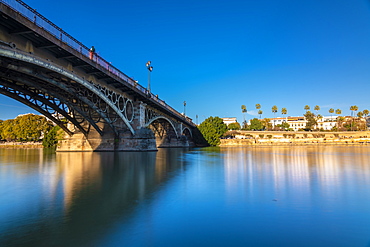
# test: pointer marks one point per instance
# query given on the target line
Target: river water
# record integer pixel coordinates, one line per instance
(253, 196)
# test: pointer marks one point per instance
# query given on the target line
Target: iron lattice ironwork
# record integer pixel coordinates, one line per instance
(61, 98)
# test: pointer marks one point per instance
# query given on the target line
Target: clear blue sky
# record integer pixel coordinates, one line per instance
(218, 55)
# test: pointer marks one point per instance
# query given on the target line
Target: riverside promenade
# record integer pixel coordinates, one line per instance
(247, 138)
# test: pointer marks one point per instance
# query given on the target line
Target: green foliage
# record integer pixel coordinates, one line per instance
(266, 124)
(234, 126)
(284, 111)
(317, 108)
(284, 125)
(52, 137)
(274, 109)
(212, 129)
(311, 120)
(29, 127)
(256, 124)
(260, 113)
(7, 130)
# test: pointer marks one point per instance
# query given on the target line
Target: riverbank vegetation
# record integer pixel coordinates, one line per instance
(212, 129)
(30, 128)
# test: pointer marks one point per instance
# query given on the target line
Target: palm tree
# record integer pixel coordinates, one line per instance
(318, 117)
(338, 112)
(260, 113)
(331, 111)
(306, 107)
(353, 108)
(274, 109)
(244, 110)
(365, 112)
(317, 109)
(284, 111)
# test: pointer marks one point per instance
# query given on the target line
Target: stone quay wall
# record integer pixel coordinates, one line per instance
(247, 138)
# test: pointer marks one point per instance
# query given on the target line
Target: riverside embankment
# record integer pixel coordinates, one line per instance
(247, 138)
(21, 145)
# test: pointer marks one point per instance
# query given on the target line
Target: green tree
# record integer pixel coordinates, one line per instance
(284, 111)
(52, 137)
(365, 112)
(340, 121)
(311, 120)
(260, 113)
(319, 117)
(284, 126)
(307, 107)
(331, 111)
(256, 124)
(1, 129)
(267, 123)
(274, 110)
(244, 111)
(258, 106)
(31, 127)
(212, 129)
(353, 108)
(338, 112)
(234, 126)
(317, 109)
(7, 130)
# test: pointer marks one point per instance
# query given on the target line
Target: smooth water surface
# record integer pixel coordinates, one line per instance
(253, 196)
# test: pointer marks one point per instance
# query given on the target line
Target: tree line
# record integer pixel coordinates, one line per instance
(284, 111)
(30, 127)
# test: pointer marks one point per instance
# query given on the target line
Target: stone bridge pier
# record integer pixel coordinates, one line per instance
(152, 130)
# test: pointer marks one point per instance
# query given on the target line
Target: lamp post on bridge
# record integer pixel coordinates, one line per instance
(184, 108)
(150, 69)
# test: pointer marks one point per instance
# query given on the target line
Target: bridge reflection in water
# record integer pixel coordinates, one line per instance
(253, 196)
(70, 199)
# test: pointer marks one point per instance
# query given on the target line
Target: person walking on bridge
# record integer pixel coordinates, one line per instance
(92, 52)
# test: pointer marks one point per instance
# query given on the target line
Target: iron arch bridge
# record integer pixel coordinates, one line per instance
(98, 106)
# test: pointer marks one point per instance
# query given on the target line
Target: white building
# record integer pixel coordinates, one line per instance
(297, 123)
(229, 120)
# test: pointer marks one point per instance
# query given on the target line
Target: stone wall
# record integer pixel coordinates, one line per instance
(245, 138)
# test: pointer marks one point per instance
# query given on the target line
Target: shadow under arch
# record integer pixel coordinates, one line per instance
(165, 132)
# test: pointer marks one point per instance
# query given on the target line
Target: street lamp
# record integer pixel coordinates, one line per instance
(150, 69)
(184, 107)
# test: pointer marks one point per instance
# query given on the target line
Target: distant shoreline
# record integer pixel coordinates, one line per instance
(289, 138)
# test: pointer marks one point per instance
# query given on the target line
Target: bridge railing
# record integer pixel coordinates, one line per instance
(42, 22)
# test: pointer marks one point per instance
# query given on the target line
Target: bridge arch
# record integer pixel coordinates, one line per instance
(93, 104)
(161, 126)
(186, 132)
